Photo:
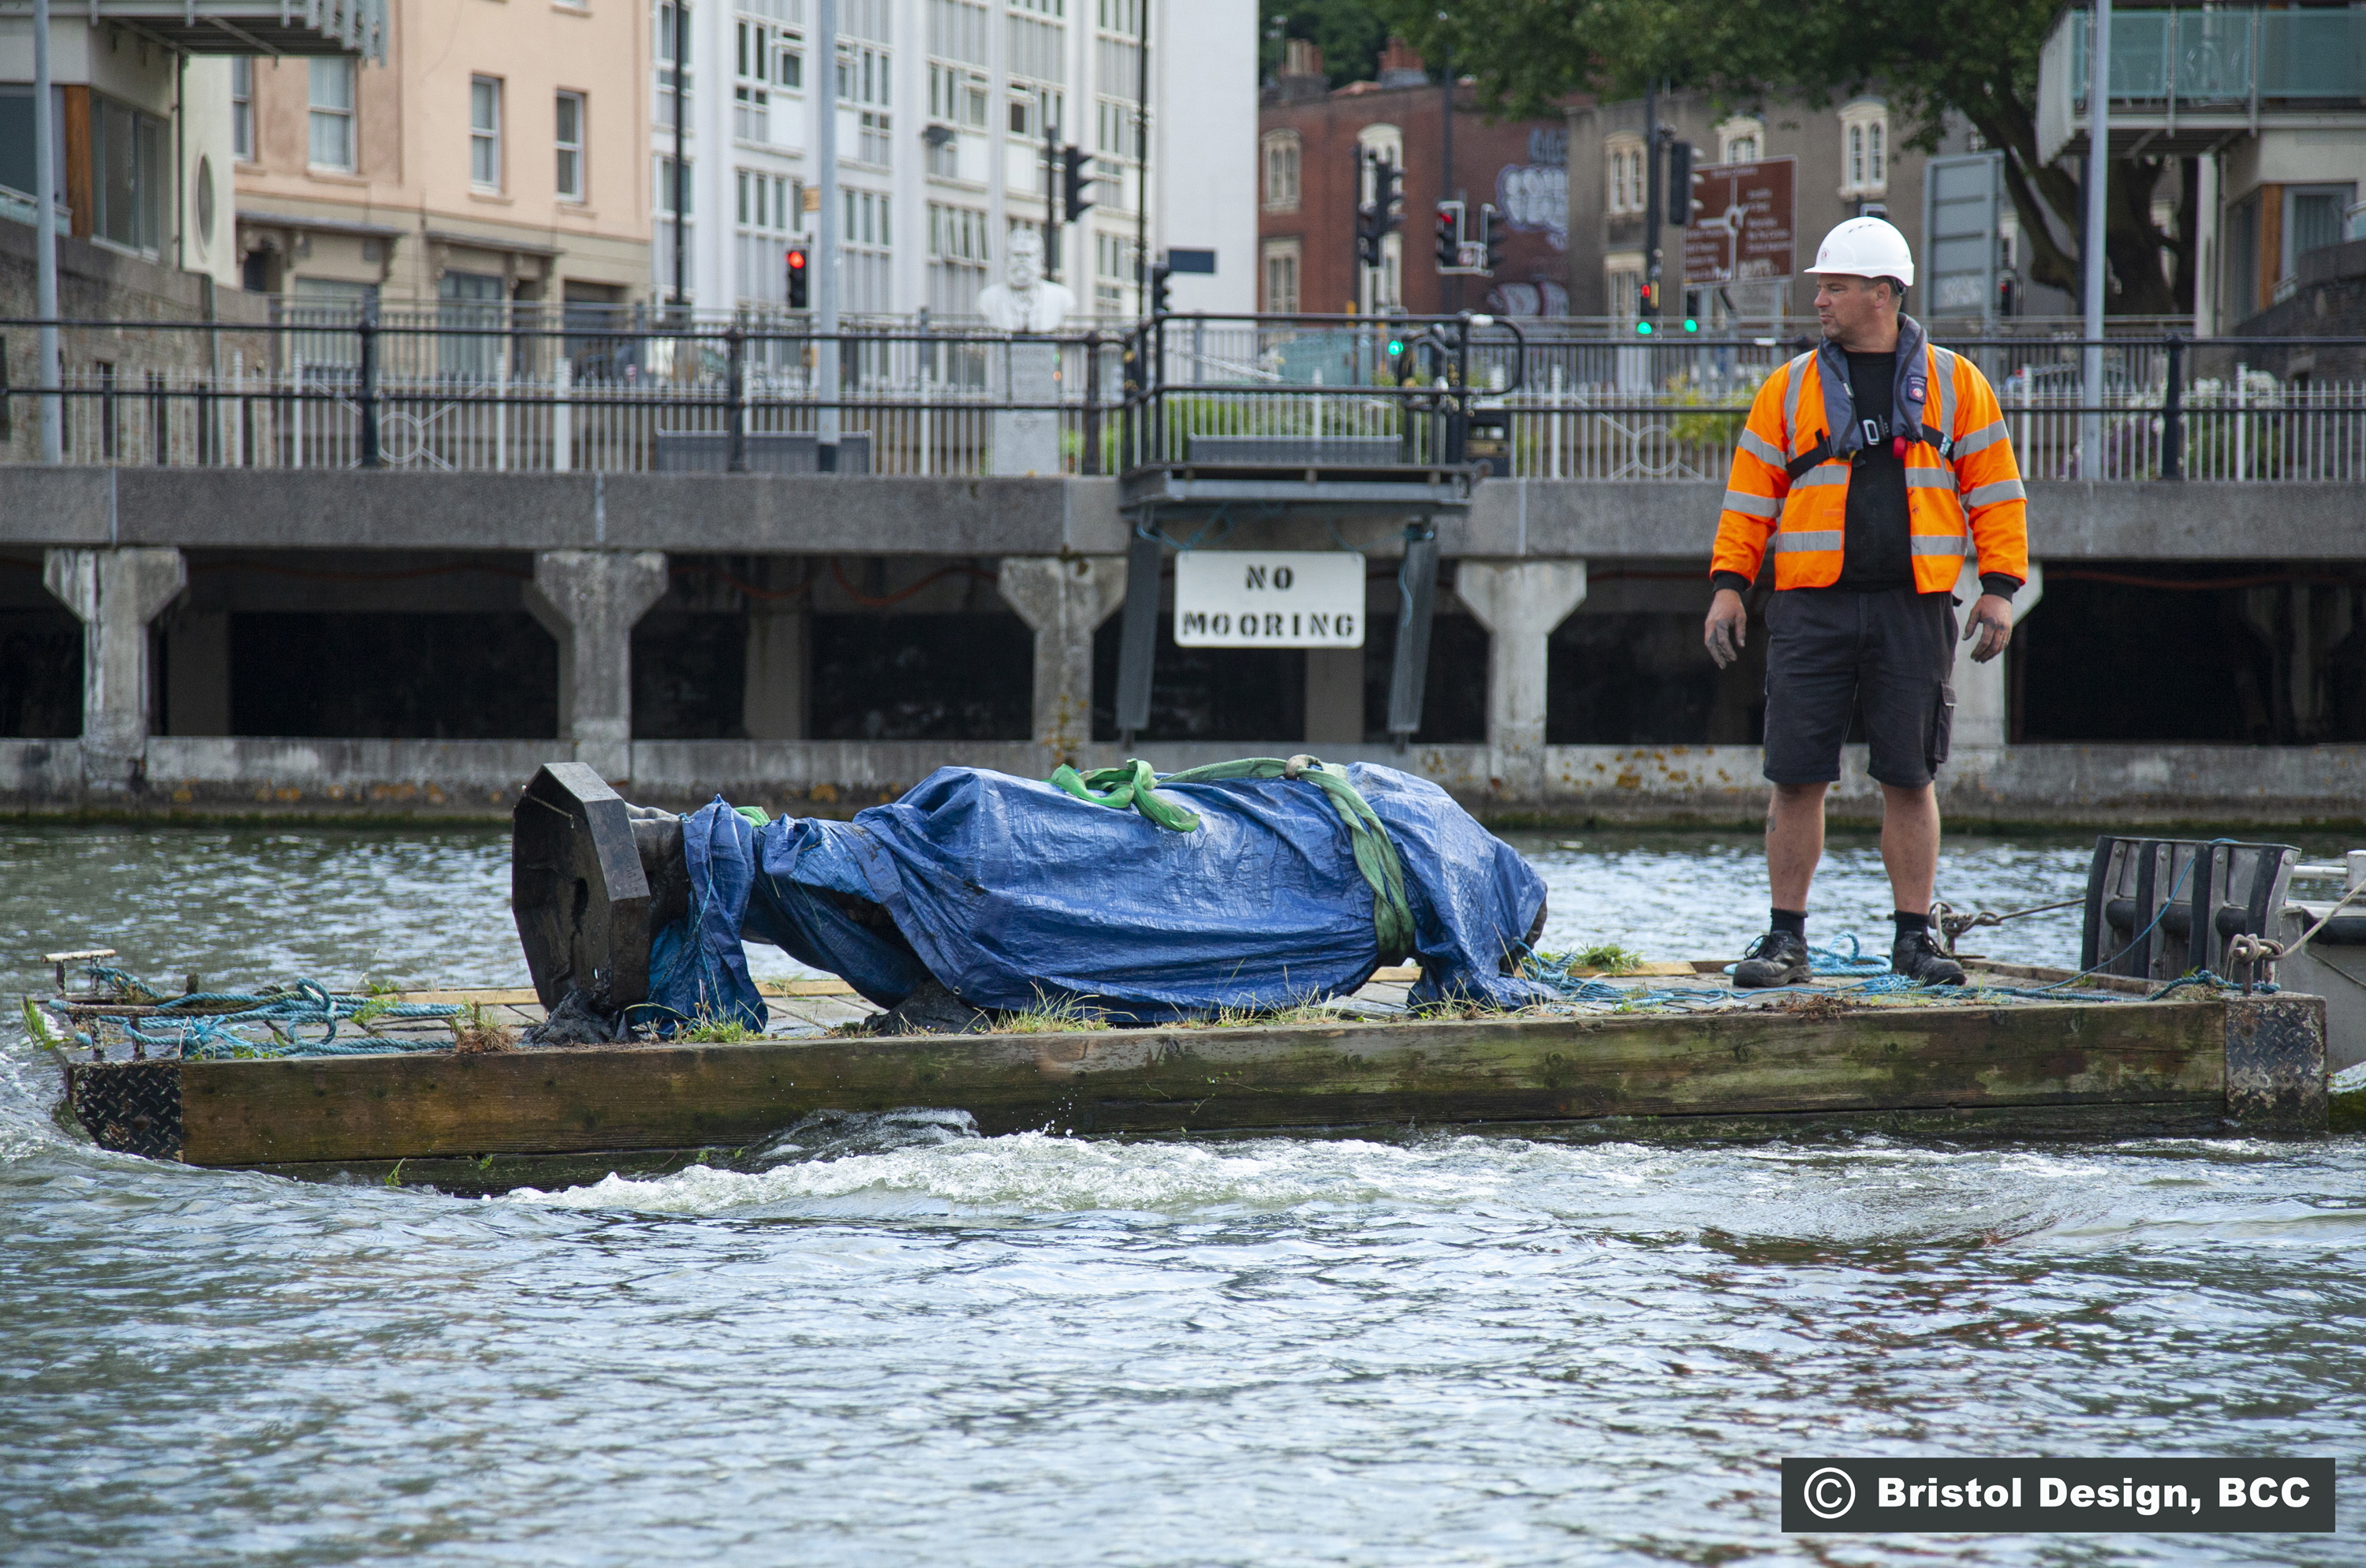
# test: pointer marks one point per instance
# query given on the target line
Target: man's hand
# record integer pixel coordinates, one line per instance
(1728, 627)
(1992, 622)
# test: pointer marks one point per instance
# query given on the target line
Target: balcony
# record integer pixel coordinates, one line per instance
(238, 27)
(2186, 82)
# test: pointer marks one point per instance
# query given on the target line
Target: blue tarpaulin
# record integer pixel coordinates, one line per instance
(1016, 894)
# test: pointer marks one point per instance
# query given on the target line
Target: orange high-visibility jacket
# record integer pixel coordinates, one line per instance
(1791, 473)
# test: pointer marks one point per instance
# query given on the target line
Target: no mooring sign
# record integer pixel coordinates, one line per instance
(1269, 599)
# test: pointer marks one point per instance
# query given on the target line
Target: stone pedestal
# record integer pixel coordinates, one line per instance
(1981, 723)
(115, 593)
(1027, 441)
(1520, 603)
(1334, 696)
(590, 601)
(1064, 600)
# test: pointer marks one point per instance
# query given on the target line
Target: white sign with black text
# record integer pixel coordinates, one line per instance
(1269, 599)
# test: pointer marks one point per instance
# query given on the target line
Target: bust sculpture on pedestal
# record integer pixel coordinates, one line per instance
(1025, 302)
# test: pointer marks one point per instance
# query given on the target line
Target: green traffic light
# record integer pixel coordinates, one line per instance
(1691, 325)
(1395, 347)
(1643, 329)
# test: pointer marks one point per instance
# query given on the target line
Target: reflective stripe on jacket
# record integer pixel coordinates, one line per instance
(1972, 488)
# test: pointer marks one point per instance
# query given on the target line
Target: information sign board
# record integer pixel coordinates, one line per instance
(1742, 222)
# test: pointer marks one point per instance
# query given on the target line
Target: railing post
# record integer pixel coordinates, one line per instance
(1092, 422)
(2172, 413)
(734, 397)
(367, 331)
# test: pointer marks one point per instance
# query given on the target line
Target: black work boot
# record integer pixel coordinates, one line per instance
(1916, 956)
(1778, 958)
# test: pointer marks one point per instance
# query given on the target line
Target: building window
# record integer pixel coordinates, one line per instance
(2313, 219)
(770, 211)
(1282, 153)
(1627, 187)
(485, 132)
(570, 147)
(673, 32)
(960, 97)
(241, 107)
(862, 84)
(957, 259)
(1281, 259)
(332, 112)
(469, 309)
(957, 95)
(1623, 276)
(768, 60)
(129, 178)
(675, 208)
(1113, 271)
(866, 252)
(1864, 148)
(1740, 141)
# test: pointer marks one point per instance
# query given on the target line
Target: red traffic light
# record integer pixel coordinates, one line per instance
(796, 261)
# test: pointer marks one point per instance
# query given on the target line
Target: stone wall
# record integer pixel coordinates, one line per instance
(95, 283)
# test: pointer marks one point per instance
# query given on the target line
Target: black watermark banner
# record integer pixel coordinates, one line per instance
(2219, 1496)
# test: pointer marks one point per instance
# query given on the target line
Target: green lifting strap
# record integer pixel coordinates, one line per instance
(1130, 787)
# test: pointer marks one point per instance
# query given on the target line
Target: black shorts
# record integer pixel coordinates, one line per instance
(1829, 650)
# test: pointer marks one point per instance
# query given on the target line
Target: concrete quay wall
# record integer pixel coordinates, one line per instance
(269, 509)
(2104, 786)
(142, 558)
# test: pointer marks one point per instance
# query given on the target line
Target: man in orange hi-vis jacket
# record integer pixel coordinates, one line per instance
(1871, 468)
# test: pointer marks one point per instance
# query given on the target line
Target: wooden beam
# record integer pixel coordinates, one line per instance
(653, 1097)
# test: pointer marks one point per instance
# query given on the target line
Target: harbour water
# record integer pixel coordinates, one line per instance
(901, 1343)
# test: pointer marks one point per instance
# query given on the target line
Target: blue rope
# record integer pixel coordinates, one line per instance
(203, 1023)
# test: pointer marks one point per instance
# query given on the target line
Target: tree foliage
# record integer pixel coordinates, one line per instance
(1348, 32)
(1976, 58)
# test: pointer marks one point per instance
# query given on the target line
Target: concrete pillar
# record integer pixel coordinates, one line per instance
(116, 594)
(590, 600)
(1334, 696)
(773, 704)
(1064, 600)
(1520, 603)
(1980, 717)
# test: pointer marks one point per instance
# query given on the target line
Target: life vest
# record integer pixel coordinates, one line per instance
(1789, 486)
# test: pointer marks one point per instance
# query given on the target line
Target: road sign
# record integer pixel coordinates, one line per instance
(1961, 201)
(1743, 225)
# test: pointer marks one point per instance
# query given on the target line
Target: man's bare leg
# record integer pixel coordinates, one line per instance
(1910, 845)
(1795, 842)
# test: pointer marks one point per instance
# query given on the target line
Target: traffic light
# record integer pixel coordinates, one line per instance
(1382, 216)
(1158, 306)
(1072, 181)
(800, 277)
(1680, 184)
(1491, 235)
(1450, 236)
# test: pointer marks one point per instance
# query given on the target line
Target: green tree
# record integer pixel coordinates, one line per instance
(1928, 57)
(1349, 34)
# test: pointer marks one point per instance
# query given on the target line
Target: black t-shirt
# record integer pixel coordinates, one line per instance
(1877, 553)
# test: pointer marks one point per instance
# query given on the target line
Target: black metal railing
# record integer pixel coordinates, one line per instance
(1532, 396)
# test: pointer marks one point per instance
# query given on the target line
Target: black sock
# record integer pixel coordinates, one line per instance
(1792, 920)
(1908, 922)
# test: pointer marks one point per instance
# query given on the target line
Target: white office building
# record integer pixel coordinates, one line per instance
(941, 110)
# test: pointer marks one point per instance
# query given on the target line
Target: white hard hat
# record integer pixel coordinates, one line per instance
(1866, 247)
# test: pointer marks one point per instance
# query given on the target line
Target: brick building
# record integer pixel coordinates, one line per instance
(1309, 137)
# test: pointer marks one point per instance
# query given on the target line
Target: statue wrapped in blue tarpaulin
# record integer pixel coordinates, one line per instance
(1247, 886)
